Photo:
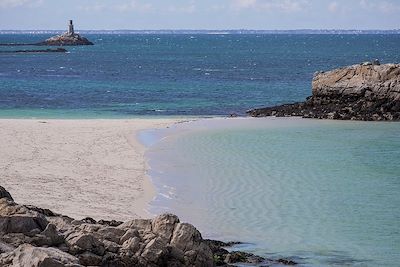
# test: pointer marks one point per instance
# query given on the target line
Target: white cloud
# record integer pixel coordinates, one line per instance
(282, 5)
(20, 3)
(132, 5)
(191, 8)
(244, 3)
(293, 6)
(382, 6)
(127, 6)
(333, 7)
(188, 8)
(217, 7)
(95, 8)
(389, 7)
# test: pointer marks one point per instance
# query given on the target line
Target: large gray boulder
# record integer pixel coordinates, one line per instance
(368, 91)
(35, 237)
(5, 194)
(80, 242)
(28, 255)
(16, 218)
(369, 81)
(189, 240)
(31, 236)
(49, 237)
(164, 225)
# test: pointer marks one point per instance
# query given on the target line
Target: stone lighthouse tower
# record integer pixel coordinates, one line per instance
(71, 28)
(67, 38)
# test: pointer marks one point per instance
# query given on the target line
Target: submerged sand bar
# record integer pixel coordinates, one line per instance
(79, 168)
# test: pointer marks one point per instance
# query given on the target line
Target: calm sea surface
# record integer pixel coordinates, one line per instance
(130, 75)
(324, 193)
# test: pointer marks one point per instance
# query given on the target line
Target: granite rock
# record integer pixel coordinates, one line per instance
(5, 194)
(28, 255)
(66, 40)
(15, 218)
(32, 236)
(368, 91)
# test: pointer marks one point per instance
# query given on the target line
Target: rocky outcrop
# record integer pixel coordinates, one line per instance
(4, 194)
(57, 50)
(28, 255)
(224, 257)
(368, 91)
(66, 39)
(31, 236)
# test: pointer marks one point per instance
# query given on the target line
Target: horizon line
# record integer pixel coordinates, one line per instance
(233, 29)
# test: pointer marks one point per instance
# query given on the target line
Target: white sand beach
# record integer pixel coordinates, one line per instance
(78, 168)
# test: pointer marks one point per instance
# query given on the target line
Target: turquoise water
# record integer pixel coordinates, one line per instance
(324, 193)
(167, 74)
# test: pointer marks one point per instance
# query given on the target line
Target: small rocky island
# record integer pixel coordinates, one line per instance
(368, 91)
(36, 237)
(68, 38)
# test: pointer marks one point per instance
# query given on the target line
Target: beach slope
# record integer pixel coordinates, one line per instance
(81, 168)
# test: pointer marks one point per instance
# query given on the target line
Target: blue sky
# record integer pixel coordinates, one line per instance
(204, 14)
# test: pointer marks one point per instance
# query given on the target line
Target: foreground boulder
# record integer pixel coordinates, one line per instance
(368, 91)
(30, 238)
(15, 218)
(35, 237)
(4, 194)
(28, 255)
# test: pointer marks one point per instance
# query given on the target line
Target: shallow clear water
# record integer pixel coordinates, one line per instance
(325, 193)
(133, 74)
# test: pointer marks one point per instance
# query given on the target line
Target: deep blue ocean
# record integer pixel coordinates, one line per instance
(133, 75)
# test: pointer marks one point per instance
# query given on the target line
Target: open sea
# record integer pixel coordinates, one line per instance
(131, 75)
(323, 193)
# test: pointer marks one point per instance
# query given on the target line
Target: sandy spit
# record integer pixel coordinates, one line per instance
(78, 168)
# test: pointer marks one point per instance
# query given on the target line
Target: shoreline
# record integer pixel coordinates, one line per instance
(35, 236)
(34, 153)
(42, 154)
(77, 162)
(194, 169)
(170, 189)
(107, 146)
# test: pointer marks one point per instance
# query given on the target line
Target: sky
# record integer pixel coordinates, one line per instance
(200, 14)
